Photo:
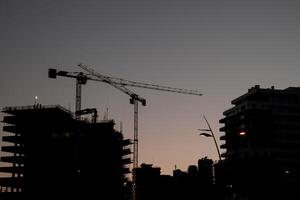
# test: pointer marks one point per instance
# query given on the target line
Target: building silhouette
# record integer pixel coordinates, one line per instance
(262, 142)
(147, 182)
(195, 183)
(53, 154)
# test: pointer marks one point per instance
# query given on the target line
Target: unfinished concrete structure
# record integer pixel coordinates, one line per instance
(52, 153)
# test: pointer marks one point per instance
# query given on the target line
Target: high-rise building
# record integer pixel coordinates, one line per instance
(262, 141)
(53, 154)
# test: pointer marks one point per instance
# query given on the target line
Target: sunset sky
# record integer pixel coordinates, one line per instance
(221, 48)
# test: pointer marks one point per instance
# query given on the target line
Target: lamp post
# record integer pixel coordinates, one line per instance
(210, 135)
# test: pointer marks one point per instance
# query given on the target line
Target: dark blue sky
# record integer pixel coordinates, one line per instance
(221, 48)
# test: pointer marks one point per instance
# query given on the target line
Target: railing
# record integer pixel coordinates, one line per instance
(39, 106)
(36, 106)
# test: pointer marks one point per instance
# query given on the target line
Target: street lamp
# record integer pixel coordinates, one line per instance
(210, 135)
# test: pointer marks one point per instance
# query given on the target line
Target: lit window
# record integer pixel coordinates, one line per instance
(242, 133)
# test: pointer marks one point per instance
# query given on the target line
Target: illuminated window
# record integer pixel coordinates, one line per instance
(242, 133)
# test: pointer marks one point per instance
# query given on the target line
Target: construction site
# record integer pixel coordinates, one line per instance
(55, 152)
(52, 151)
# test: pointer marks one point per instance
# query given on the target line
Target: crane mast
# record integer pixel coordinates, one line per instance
(81, 79)
(123, 82)
(133, 100)
(118, 83)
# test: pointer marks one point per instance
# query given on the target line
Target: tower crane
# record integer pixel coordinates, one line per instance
(81, 79)
(120, 84)
(124, 82)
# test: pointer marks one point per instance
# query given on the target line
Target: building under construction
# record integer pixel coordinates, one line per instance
(50, 152)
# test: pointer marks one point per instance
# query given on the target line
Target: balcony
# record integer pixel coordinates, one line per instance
(13, 149)
(13, 159)
(13, 139)
(10, 129)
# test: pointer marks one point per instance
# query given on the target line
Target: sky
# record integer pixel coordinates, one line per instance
(221, 48)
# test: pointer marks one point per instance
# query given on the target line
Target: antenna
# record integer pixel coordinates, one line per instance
(105, 117)
(107, 113)
(121, 127)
